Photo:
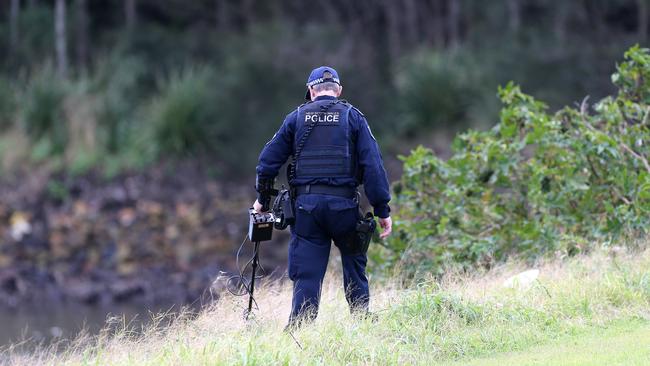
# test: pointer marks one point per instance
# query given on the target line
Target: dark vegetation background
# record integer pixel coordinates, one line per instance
(125, 83)
(129, 129)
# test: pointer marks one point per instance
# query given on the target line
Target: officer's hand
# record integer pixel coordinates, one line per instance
(257, 206)
(387, 225)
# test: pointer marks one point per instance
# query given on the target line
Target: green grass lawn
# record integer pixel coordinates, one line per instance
(626, 344)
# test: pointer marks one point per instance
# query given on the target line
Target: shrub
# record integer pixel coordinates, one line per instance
(35, 24)
(42, 108)
(229, 110)
(181, 117)
(119, 83)
(535, 183)
(436, 91)
(7, 104)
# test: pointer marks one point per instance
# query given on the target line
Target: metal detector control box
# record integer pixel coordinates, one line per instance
(260, 226)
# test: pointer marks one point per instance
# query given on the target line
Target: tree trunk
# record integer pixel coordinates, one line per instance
(354, 21)
(642, 13)
(60, 38)
(391, 10)
(596, 16)
(221, 14)
(411, 22)
(559, 21)
(514, 15)
(14, 13)
(81, 30)
(131, 14)
(247, 13)
(438, 20)
(453, 23)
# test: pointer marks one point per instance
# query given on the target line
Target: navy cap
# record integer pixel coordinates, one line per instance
(323, 74)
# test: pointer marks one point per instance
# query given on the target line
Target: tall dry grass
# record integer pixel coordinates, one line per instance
(460, 316)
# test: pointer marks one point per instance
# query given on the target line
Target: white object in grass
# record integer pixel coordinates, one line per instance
(522, 280)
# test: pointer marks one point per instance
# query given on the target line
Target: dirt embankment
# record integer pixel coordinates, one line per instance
(157, 236)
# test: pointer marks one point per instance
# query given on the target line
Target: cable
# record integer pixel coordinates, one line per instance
(238, 285)
(242, 285)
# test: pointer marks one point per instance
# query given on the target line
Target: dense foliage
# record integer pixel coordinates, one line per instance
(147, 80)
(535, 183)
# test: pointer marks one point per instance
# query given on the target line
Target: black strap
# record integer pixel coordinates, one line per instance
(305, 136)
(347, 192)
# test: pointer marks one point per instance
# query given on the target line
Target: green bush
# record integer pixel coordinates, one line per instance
(255, 92)
(35, 25)
(181, 117)
(7, 104)
(120, 82)
(42, 113)
(436, 92)
(535, 183)
(226, 111)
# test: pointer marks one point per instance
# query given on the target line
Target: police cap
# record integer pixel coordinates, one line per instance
(323, 74)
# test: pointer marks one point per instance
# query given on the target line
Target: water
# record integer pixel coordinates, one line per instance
(44, 323)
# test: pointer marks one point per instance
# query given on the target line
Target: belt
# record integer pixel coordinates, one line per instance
(347, 192)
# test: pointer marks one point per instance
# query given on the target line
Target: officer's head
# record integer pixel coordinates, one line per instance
(323, 80)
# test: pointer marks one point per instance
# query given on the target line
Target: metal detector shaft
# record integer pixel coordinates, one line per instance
(256, 259)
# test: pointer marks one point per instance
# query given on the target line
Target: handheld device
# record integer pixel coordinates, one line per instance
(260, 226)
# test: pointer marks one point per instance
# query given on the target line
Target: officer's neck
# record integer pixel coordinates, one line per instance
(325, 95)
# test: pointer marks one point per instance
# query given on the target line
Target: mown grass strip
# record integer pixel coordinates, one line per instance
(621, 343)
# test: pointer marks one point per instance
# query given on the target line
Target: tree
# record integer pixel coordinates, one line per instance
(131, 14)
(13, 23)
(514, 15)
(453, 22)
(642, 14)
(221, 14)
(81, 31)
(60, 38)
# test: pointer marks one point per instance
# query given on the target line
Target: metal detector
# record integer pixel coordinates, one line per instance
(260, 228)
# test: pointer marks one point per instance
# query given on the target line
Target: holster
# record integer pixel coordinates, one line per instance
(283, 208)
(288, 208)
(358, 241)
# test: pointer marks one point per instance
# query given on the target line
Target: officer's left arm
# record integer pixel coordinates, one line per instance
(375, 180)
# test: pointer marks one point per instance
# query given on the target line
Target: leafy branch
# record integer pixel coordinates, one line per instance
(536, 183)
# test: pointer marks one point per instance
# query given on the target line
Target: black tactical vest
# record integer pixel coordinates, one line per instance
(328, 151)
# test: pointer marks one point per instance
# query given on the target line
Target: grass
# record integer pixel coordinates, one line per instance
(576, 304)
(627, 343)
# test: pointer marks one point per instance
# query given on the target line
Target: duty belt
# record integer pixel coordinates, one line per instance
(347, 192)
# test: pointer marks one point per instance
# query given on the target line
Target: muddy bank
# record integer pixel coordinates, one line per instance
(160, 236)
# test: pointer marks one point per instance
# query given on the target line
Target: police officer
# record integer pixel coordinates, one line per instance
(333, 152)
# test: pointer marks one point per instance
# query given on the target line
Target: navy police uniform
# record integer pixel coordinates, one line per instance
(337, 153)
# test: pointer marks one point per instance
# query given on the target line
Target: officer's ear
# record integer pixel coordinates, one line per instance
(340, 91)
(312, 93)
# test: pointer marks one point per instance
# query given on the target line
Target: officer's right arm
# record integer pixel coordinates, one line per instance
(277, 151)
(273, 156)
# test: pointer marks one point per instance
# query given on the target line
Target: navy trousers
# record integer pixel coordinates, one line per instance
(321, 219)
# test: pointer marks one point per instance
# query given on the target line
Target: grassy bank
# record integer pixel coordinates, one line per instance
(456, 320)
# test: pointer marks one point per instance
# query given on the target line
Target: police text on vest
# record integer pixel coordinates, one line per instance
(325, 118)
